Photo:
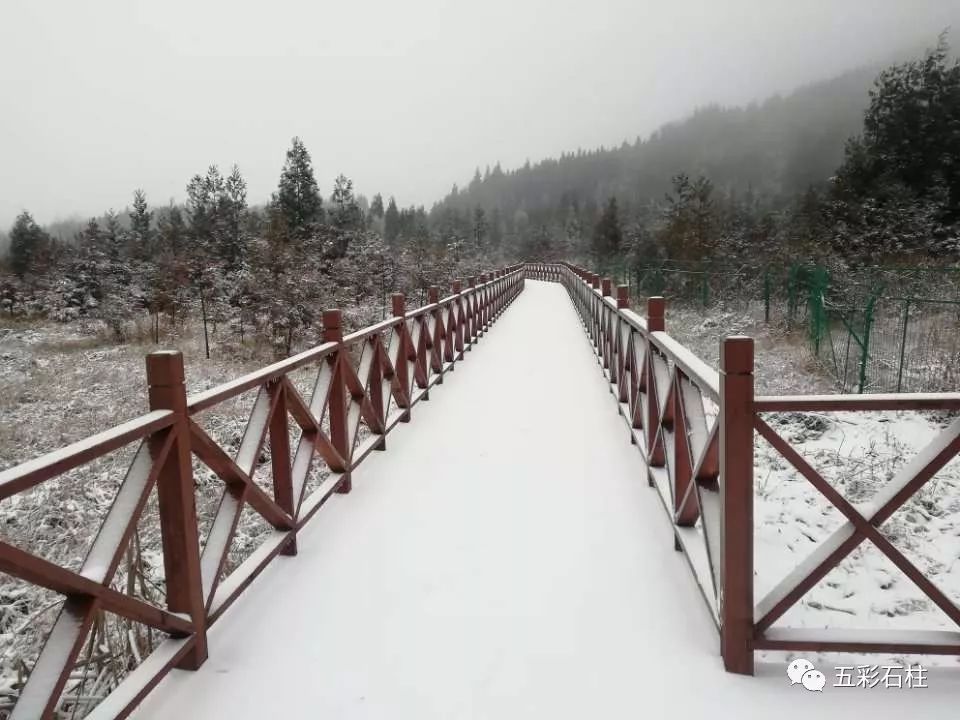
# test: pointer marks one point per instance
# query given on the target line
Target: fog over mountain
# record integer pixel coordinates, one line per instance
(405, 98)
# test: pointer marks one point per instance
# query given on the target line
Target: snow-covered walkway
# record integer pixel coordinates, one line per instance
(504, 558)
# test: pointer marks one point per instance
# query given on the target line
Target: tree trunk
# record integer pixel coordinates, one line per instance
(206, 337)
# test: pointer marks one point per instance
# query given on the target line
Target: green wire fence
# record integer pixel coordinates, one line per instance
(872, 329)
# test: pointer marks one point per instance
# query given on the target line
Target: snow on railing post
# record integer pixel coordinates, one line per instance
(655, 323)
(280, 457)
(176, 503)
(606, 324)
(736, 497)
(625, 351)
(437, 335)
(482, 303)
(595, 311)
(339, 433)
(456, 288)
(472, 329)
(398, 307)
(655, 314)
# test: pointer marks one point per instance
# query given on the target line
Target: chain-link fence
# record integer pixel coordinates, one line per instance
(872, 330)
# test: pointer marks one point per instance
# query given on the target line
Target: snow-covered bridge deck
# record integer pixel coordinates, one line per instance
(504, 559)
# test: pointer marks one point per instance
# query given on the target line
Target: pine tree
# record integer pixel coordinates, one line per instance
(376, 207)
(607, 235)
(233, 209)
(297, 196)
(480, 228)
(172, 231)
(345, 211)
(203, 206)
(910, 138)
(27, 241)
(113, 236)
(391, 222)
(140, 232)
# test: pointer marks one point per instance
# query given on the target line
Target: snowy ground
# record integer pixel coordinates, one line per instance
(61, 383)
(497, 564)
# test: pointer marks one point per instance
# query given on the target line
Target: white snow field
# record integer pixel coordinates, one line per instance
(504, 558)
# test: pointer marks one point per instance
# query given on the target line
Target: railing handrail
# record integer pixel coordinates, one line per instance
(378, 393)
(659, 386)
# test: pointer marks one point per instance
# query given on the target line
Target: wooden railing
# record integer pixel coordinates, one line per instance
(704, 472)
(366, 383)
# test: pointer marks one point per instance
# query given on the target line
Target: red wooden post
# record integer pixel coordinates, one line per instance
(398, 305)
(655, 323)
(177, 505)
(473, 332)
(280, 457)
(375, 384)
(436, 351)
(457, 288)
(606, 326)
(655, 313)
(624, 373)
(736, 497)
(484, 303)
(339, 432)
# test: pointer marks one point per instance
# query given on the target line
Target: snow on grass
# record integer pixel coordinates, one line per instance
(857, 453)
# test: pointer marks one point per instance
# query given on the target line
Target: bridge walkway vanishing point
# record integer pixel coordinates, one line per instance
(508, 556)
(504, 559)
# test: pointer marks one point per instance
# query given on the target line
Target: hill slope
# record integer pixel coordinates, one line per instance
(777, 147)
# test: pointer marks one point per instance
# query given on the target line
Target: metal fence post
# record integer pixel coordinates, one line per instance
(865, 345)
(903, 342)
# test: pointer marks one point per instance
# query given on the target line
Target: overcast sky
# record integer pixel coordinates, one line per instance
(406, 98)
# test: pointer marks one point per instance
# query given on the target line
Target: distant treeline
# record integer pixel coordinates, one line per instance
(858, 169)
(836, 173)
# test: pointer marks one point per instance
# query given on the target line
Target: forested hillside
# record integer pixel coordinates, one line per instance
(857, 169)
(777, 147)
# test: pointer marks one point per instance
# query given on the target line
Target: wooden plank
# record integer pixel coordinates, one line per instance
(701, 374)
(280, 460)
(41, 695)
(107, 548)
(375, 329)
(214, 457)
(135, 686)
(246, 572)
(859, 522)
(298, 408)
(36, 570)
(208, 398)
(879, 640)
(255, 431)
(217, 546)
(866, 403)
(33, 472)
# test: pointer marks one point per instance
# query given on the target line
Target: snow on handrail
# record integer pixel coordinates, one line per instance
(701, 374)
(33, 472)
(866, 402)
